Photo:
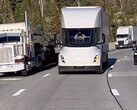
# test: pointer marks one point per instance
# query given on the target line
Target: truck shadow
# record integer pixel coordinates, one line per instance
(111, 61)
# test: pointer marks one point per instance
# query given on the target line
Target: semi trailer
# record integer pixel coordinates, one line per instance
(84, 39)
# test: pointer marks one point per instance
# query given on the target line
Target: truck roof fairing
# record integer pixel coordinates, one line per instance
(123, 30)
(81, 17)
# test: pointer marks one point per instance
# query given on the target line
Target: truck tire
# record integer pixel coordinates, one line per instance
(135, 60)
(40, 67)
(24, 73)
(106, 62)
(60, 72)
(100, 69)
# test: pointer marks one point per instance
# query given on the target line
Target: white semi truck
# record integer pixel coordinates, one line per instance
(84, 40)
(126, 36)
(17, 48)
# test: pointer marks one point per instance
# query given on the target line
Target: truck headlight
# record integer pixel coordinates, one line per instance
(62, 58)
(96, 59)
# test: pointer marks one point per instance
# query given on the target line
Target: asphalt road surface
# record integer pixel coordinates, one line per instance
(115, 89)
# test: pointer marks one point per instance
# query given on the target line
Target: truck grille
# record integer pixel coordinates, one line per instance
(6, 55)
(120, 42)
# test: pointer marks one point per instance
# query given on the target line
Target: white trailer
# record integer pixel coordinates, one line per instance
(84, 38)
(126, 36)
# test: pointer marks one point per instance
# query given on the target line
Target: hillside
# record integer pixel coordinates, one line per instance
(47, 14)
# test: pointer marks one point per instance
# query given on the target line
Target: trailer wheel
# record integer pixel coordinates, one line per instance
(24, 73)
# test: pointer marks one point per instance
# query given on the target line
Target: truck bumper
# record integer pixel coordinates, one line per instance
(12, 67)
(78, 68)
(121, 46)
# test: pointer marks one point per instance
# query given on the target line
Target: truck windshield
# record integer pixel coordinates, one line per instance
(5, 38)
(122, 36)
(82, 37)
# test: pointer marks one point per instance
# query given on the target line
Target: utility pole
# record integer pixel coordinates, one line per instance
(78, 2)
(41, 7)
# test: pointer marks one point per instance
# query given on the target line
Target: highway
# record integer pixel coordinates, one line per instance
(115, 89)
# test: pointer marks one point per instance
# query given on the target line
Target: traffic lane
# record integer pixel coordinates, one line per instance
(9, 81)
(56, 92)
(124, 80)
(120, 53)
(10, 85)
(83, 92)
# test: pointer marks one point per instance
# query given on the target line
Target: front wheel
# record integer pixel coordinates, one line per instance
(135, 60)
(59, 71)
(100, 69)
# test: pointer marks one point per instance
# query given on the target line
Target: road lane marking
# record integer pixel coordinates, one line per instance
(125, 57)
(46, 75)
(113, 52)
(109, 75)
(112, 67)
(118, 61)
(19, 92)
(11, 79)
(115, 92)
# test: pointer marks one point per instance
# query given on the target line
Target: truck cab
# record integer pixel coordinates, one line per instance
(84, 40)
(123, 37)
(16, 48)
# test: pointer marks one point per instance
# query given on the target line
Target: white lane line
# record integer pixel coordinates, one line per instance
(118, 61)
(125, 57)
(109, 75)
(11, 79)
(113, 52)
(19, 92)
(112, 67)
(115, 92)
(46, 75)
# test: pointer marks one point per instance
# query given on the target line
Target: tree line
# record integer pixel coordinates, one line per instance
(46, 14)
